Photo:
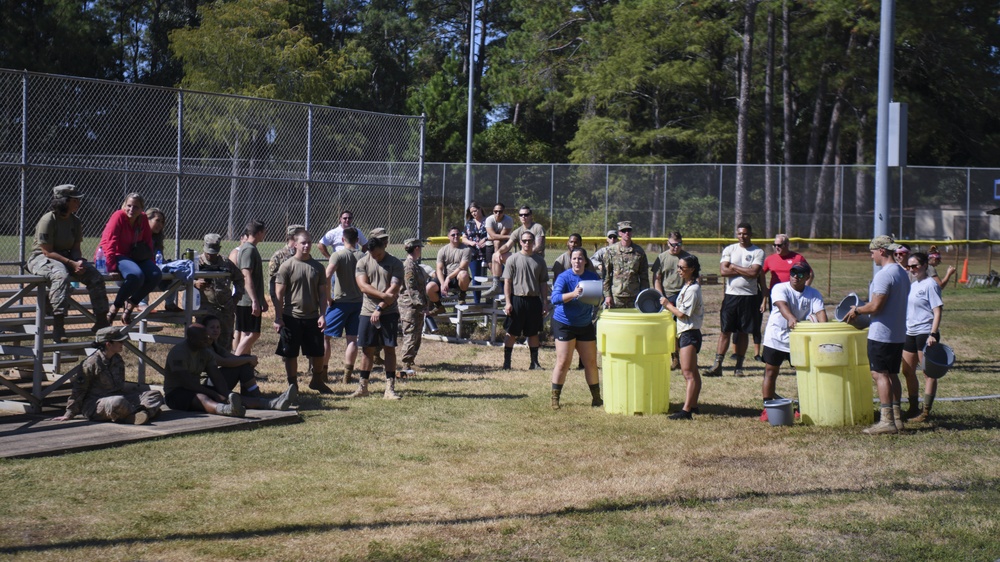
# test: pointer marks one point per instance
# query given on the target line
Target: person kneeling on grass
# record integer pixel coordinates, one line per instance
(791, 302)
(240, 369)
(182, 384)
(99, 388)
(573, 327)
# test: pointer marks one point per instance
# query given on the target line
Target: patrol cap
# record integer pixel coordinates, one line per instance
(213, 243)
(411, 243)
(109, 334)
(624, 225)
(66, 191)
(802, 268)
(612, 233)
(378, 233)
(883, 242)
(290, 231)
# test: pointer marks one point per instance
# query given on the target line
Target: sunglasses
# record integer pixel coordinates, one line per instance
(672, 245)
(682, 267)
(626, 231)
(778, 245)
(497, 211)
(913, 266)
(527, 241)
(524, 214)
(800, 275)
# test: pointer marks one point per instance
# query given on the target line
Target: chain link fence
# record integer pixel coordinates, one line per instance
(698, 199)
(210, 162)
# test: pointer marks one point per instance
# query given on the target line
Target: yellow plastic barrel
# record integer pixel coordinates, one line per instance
(635, 350)
(835, 383)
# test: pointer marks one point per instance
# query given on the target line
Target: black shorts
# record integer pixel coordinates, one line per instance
(690, 337)
(300, 333)
(487, 251)
(565, 332)
(525, 317)
(246, 321)
(234, 375)
(885, 357)
(384, 335)
(184, 400)
(775, 358)
(737, 315)
(915, 343)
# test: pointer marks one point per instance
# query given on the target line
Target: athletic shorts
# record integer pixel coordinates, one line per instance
(915, 343)
(737, 314)
(300, 334)
(384, 335)
(690, 337)
(183, 399)
(487, 251)
(775, 358)
(246, 321)
(885, 357)
(565, 332)
(525, 317)
(342, 316)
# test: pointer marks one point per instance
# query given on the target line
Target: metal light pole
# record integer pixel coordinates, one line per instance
(885, 70)
(468, 126)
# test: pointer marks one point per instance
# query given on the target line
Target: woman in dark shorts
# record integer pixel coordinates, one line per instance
(923, 320)
(690, 313)
(573, 328)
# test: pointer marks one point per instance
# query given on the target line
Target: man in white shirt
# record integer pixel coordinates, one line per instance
(333, 240)
(741, 267)
(791, 302)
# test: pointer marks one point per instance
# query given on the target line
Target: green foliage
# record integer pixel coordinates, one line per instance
(506, 142)
(443, 99)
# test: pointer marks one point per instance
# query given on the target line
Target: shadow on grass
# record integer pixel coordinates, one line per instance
(462, 368)
(988, 486)
(446, 394)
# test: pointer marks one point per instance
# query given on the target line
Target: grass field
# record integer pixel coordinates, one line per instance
(473, 464)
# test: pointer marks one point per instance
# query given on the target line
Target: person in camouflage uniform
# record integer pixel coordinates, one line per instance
(56, 256)
(279, 257)
(626, 270)
(99, 388)
(413, 301)
(217, 295)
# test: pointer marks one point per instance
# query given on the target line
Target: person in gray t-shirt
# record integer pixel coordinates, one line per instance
(887, 296)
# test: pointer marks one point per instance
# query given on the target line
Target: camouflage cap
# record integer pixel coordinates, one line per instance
(378, 233)
(66, 191)
(290, 231)
(213, 243)
(883, 242)
(411, 243)
(110, 333)
(624, 225)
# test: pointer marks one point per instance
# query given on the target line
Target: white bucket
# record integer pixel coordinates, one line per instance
(593, 292)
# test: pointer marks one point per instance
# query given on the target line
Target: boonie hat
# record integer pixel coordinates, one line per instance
(883, 242)
(66, 190)
(110, 333)
(624, 225)
(213, 243)
(801, 268)
(292, 228)
(411, 243)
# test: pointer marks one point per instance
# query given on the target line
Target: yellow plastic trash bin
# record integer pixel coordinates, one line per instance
(635, 350)
(835, 383)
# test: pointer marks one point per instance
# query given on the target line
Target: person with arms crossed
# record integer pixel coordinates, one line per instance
(333, 240)
(525, 288)
(626, 270)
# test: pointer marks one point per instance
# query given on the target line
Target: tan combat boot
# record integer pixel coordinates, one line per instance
(886, 424)
(362, 390)
(390, 389)
(555, 398)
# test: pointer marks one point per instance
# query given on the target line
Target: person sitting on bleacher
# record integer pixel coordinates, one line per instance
(127, 243)
(99, 388)
(452, 269)
(56, 256)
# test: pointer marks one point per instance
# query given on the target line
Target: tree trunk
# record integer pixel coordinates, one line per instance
(769, 202)
(833, 131)
(743, 109)
(788, 117)
(861, 202)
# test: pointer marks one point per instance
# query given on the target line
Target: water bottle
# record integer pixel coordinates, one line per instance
(159, 258)
(99, 262)
(197, 293)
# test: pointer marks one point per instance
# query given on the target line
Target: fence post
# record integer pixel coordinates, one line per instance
(607, 184)
(968, 209)
(420, 179)
(177, 178)
(24, 168)
(666, 169)
(552, 194)
(309, 158)
(720, 200)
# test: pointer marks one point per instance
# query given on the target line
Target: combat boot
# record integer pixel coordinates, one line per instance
(886, 424)
(390, 389)
(316, 382)
(59, 328)
(897, 417)
(362, 390)
(555, 398)
(347, 375)
(285, 400)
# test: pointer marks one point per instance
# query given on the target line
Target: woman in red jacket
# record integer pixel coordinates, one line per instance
(128, 247)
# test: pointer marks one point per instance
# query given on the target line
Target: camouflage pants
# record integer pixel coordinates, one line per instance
(413, 329)
(115, 408)
(622, 301)
(60, 289)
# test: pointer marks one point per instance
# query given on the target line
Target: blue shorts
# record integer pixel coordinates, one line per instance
(342, 316)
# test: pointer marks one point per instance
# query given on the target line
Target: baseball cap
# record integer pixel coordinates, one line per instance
(612, 233)
(378, 233)
(213, 243)
(883, 242)
(801, 268)
(624, 225)
(411, 243)
(110, 333)
(66, 191)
